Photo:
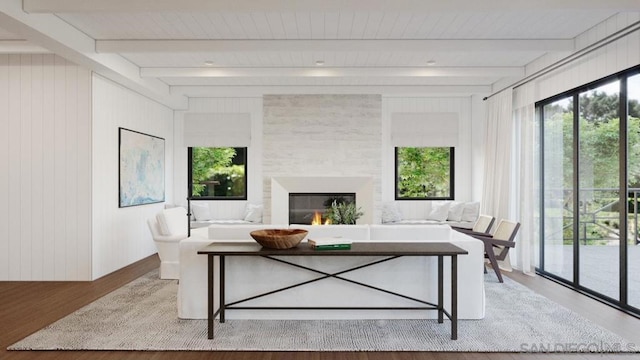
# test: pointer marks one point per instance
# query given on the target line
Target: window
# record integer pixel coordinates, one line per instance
(424, 173)
(218, 173)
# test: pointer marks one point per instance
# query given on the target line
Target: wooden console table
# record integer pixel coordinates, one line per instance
(389, 250)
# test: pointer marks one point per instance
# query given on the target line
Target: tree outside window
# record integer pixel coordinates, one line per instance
(599, 131)
(218, 173)
(424, 173)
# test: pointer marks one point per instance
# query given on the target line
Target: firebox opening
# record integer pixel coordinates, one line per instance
(304, 206)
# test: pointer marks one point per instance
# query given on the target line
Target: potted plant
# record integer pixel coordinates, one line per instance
(343, 213)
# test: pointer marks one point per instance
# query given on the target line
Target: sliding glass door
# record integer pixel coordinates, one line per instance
(599, 189)
(558, 196)
(633, 171)
(590, 177)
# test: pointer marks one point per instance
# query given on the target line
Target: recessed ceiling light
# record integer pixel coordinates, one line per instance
(208, 63)
(319, 62)
(431, 62)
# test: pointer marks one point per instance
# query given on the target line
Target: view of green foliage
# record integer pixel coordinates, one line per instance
(424, 172)
(599, 135)
(215, 166)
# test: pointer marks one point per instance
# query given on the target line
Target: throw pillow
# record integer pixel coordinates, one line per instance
(471, 211)
(201, 212)
(173, 221)
(455, 211)
(439, 210)
(253, 213)
(390, 213)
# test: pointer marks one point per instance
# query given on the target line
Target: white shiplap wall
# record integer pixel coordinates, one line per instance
(121, 236)
(45, 169)
(253, 106)
(470, 137)
(617, 56)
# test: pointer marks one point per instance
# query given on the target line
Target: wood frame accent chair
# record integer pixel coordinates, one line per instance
(482, 226)
(496, 246)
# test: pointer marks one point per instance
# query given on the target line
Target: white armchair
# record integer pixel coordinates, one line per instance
(168, 228)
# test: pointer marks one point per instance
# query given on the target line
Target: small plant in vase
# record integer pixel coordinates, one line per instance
(343, 213)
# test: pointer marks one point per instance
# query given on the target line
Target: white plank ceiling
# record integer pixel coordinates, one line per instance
(185, 47)
(560, 24)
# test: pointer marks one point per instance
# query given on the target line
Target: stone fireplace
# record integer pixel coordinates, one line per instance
(321, 144)
(308, 208)
(281, 187)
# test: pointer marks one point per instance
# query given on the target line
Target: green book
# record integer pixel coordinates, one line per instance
(333, 247)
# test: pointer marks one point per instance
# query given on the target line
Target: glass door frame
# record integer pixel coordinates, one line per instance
(623, 302)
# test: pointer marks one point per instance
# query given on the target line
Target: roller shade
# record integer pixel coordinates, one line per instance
(217, 129)
(424, 129)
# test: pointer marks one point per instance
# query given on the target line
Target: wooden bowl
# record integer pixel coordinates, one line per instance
(279, 238)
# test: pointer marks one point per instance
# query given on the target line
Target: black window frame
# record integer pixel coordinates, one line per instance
(621, 303)
(190, 176)
(452, 165)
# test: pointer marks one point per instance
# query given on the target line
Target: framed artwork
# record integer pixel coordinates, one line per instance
(141, 172)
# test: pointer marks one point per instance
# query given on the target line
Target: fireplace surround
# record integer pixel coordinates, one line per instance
(304, 206)
(281, 187)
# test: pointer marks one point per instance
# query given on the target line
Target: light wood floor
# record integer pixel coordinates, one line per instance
(25, 307)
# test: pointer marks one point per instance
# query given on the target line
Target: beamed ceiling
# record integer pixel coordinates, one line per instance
(172, 50)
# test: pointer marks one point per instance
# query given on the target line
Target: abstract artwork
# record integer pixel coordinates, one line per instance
(141, 168)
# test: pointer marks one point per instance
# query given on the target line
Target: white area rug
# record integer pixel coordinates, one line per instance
(142, 316)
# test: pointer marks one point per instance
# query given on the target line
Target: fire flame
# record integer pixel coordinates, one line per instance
(317, 219)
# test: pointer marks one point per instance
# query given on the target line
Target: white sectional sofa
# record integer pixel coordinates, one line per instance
(353, 232)
(192, 287)
(224, 212)
(419, 212)
(413, 276)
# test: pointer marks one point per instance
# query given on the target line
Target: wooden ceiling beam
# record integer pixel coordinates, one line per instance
(259, 91)
(57, 36)
(97, 6)
(21, 47)
(403, 45)
(503, 71)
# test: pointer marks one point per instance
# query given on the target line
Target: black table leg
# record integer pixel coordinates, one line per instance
(210, 296)
(452, 315)
(454, 297)
(222, 285)
(440, 290)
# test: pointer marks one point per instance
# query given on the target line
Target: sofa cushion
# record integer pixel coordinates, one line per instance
(417, 222)
(238, 232)
(460, 224)
(471, 211)
(439, 211)
(173, 221)
(455, 211)
(411, 233)
(253, 213)
(201, 212)
(390, 213)
(223, 222)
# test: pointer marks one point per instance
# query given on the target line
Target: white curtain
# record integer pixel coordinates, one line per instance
(497, 184)
(497, 160)
(511, 171)
(526, 184)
